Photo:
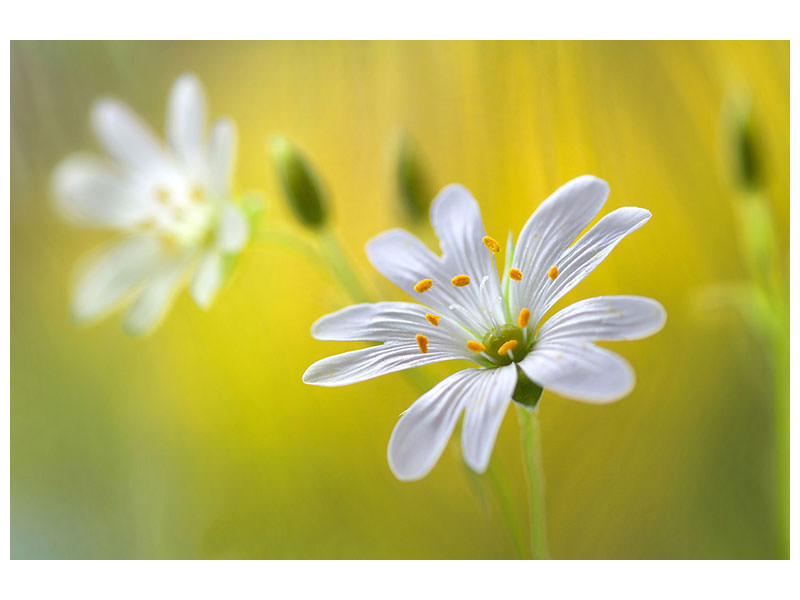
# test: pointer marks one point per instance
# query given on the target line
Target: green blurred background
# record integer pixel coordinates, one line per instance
(200, 441)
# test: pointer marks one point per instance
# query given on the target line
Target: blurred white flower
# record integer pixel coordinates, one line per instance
(171, 204)
(471, 314)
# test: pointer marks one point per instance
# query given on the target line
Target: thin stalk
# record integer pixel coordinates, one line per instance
(341, 265)
(781, 390)
(291, 239)
(499, 484)
(327, 251)
(534, 475)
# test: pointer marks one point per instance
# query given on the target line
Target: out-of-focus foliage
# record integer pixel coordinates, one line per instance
(201, 441)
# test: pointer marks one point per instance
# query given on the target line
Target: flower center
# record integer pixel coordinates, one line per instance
(511, 344)
(183, 215)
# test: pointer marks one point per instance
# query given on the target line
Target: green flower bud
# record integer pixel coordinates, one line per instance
(743, 147)
(299, 182)
(411, 182)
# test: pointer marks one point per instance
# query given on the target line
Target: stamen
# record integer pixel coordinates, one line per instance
(197, 193)
(553, 272)
(491, 243)
(508, 346)
(515, 274)
(422, 342)
(524, 317)
(475, 346)
(162, 194)
(423, 286)
(432, 319)
(460, 280)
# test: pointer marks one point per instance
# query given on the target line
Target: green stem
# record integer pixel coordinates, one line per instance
(781, 390)
(289, 238)
(327, 251)
(341, 265)
(498, 481)
(534, 475)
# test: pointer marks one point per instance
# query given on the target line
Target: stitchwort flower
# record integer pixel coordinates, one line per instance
(171, 205)
(467, 311)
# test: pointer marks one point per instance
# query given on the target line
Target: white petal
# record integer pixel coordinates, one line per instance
(186, 120)
(456, 218)
(367, 363)
(588, 252)
(125, 136)
(109, 274)
(550, 231)
(155, 299)
(581, 371)
(405, 260)
(221, 155)
(422, 432)
(390, 321)
(486, 406)
(207, 279)
(233, 230)
(605, 318)
(87, 191)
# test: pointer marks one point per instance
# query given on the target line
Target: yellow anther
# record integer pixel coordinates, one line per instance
(460, 280)
(475, 346)
(422, 342)
(423, 286)
(162, 194)
(432, 319)
(509, 345)
(524, 317)
(197, 194)
(553, 272)
(515, 274)
(491, 243)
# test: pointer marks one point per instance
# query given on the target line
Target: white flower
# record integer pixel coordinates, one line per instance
(172, 205)
(470, 314)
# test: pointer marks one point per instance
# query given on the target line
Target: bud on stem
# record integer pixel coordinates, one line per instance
(299, 182)
(412, 185)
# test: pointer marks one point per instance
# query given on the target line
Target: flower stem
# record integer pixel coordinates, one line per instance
(324, 249)
(341, 265)
(534, 475)
(498, 481)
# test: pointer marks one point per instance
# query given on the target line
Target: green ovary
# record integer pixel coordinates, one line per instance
(494, 341)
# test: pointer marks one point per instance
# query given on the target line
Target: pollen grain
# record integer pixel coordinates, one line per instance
(553, 272)
(422, 342)
(515, 274)
(432, 319)
(524, 317)
(460, 280)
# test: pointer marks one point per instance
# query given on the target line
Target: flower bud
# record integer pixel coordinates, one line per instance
(743, 144)
(299, 182)
(411, 182)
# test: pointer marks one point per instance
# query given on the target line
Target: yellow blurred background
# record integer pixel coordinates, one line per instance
(200, 441)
